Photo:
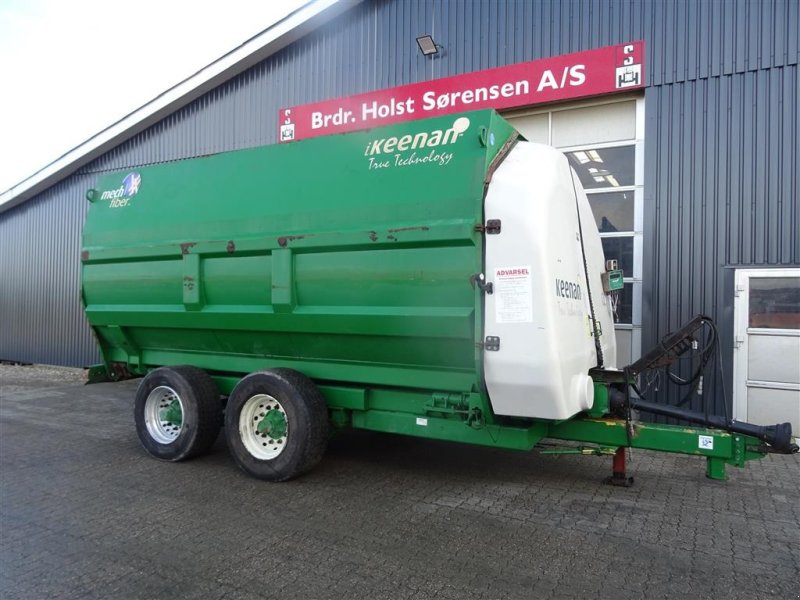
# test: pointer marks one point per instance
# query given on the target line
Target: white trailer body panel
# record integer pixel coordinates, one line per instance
(540, 303)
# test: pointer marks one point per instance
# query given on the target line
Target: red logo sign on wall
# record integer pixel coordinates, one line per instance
(591, 73)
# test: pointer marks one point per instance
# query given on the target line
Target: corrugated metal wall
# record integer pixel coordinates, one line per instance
(721, 150)
(373, 46)
(41, 318)
(721, 191)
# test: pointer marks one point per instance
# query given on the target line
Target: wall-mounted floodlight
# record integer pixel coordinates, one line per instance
(427, 46)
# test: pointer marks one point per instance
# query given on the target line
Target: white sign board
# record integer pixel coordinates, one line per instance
(513, 295)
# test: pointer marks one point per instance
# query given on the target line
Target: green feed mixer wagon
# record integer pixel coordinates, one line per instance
(441, 278)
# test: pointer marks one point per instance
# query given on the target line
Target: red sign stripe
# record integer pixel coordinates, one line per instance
(582, 74)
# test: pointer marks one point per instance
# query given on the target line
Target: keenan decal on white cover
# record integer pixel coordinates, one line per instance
(568, 289)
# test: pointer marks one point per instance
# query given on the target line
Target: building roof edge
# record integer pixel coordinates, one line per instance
(276, 37)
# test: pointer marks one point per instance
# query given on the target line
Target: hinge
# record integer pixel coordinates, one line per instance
(479, 279)
(738, 342)
(492, 343)
(738, 290)
(492, 227)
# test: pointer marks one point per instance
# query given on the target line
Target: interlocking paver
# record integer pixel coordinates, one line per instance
(85, 513)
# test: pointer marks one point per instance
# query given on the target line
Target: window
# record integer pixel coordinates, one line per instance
(621, 249)
(603, 142)
(774, 303)
(599, 168)
(613, 211)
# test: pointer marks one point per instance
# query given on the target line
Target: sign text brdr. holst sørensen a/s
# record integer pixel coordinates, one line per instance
(579, 75)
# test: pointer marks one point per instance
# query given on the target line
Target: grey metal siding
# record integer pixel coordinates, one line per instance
(41, 318)
(373, 46)
(720, 152)
(721, 191)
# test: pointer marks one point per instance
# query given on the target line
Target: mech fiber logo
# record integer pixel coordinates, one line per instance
(130, 187)
(403, 149)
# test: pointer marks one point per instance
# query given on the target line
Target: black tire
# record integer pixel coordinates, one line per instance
(305, 423)
(201, 417)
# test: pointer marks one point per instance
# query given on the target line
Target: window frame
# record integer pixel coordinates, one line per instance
(635, 326)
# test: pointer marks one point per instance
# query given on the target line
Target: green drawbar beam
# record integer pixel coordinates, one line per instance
(718, 447)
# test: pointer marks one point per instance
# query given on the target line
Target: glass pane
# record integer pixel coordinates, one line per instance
(612, 211)
(603, 167)
(620, 248)
(775, 302)
(624, 310)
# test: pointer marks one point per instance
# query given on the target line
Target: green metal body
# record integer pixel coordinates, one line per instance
(350, 258)
(313, 255)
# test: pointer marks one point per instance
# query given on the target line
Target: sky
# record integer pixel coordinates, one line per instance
(71, 68)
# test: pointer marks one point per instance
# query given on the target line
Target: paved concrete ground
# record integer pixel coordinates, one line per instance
(84, 513)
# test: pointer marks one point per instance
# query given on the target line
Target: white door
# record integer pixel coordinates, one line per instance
(767, 347)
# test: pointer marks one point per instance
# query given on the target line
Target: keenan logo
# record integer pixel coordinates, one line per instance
(424, 139)
(568, 289)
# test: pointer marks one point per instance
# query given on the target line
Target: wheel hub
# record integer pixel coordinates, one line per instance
(263, 427)
(273, 424)
(163, 414)
(172, 414)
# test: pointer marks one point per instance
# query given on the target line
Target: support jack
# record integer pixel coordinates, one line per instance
(618, 477)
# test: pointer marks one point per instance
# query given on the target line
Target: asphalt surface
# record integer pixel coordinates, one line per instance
(85, 513)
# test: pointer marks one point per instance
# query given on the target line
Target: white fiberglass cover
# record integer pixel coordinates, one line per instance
(540, 303)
